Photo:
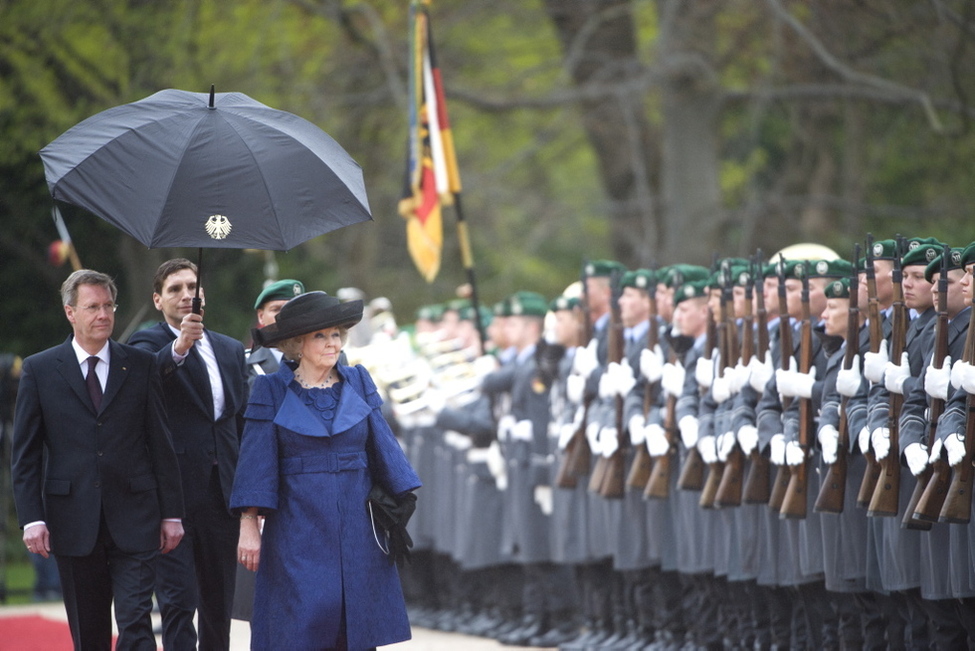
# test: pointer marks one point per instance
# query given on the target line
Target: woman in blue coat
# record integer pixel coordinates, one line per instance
(314, 443)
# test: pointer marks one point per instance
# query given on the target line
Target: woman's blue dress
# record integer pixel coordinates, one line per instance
(308, 459)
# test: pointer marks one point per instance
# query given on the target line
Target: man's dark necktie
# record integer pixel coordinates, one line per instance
(94, 386)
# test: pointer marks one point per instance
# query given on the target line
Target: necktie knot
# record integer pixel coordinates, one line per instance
(94, 386)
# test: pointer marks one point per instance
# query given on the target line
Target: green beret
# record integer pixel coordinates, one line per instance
(684, 273)
(934, 267)
(838, 268)
(502, 308)
(838, 288)
(528, 304)
(968, 254)
(457, 305)
(794, 269)
(282, 290)
(640, 279)
(603, 268)
(922, 252)
(563, 303)
(430, 313)
(770, 270)
(884, 249)
(467, 314)
(693, 289)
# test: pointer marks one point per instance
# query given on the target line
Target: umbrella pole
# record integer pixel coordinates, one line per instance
(467, 258)
(197, 303)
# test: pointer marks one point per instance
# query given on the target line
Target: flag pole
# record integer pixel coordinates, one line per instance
(467, 259)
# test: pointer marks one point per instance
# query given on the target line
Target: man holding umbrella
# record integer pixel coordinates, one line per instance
(204, 382)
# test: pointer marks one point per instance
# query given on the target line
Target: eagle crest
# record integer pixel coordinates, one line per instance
(218, 227)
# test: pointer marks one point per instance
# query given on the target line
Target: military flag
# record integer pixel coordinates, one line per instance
(432, 178)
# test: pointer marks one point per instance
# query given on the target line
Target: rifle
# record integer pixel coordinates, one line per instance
(831, 493)
(756, 489)
(872, 473)
(642, 464)
(692, 472)
(607, 478)
(939, 474)
(957, 507)
(725, 335)
(886, 495)
(730, 489)
(658, 486)
(785, 347)
(794, 501)
(577, 456)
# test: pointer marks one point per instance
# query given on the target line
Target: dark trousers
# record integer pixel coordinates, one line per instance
(90, 583)
(200, 575)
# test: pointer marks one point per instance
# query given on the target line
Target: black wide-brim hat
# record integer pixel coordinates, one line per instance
(306, 313)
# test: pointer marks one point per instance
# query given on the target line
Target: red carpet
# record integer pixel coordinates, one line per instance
(34, 633)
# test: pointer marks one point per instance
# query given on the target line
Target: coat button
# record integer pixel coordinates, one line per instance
(98, 484)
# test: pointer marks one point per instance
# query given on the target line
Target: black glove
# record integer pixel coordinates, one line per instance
(391, 514)
(547, 358)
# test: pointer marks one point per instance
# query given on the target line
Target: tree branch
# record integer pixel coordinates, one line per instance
(849, 74)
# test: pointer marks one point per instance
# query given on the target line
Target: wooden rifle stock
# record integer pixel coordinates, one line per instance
(732, 477)
(872, 474)
(957, 507)
(832, 492)
(642, 464)
(577, 456)
(885, 500)
(692, 472)
(795, 498)
(612, 483)
(756, 486)
(658, 485)
(781, 483)
(938, 476)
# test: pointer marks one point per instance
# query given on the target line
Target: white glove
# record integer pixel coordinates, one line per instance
(777, 449)
(896, 374)
(504, 427)
(523, 430)
(484, 365)
(623, 378)
(726, 443)
(760, 372)
(688, 431)
(748, 438)
(672, 379)
(609, 441)
(704, 371)
(592, 436)
(565, 434)
(863, 440)
(543, 497)
(497, 467)
(652, 363)
(721, 387)
(829, 443)
(607, 389)
(783, 379)
(963, 376)
(874, 364)
(935, 451)
(848, 380)
(636, 428)
(880, 440)
(794, 454)
(706, 446)
(435, 400)
(586, 360)
(802, 384)
(737, 377)
(656, 438)
(917, 458)
(936, 380)
(575, 388)
(955, 447)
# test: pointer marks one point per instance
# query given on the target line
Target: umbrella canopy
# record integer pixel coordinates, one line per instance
(181, 169)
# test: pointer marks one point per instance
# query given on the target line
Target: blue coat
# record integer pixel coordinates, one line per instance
(318, 552)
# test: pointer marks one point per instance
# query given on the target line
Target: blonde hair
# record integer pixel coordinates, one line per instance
(291, 348)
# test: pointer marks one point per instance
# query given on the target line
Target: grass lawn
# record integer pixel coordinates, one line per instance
(19, 582)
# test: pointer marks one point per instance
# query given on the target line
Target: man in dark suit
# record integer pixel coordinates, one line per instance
(204, 383)
(95, 477)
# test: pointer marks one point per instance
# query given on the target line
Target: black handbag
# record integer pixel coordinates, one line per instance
(389, 516)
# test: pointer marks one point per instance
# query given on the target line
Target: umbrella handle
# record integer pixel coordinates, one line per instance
(197, 301)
